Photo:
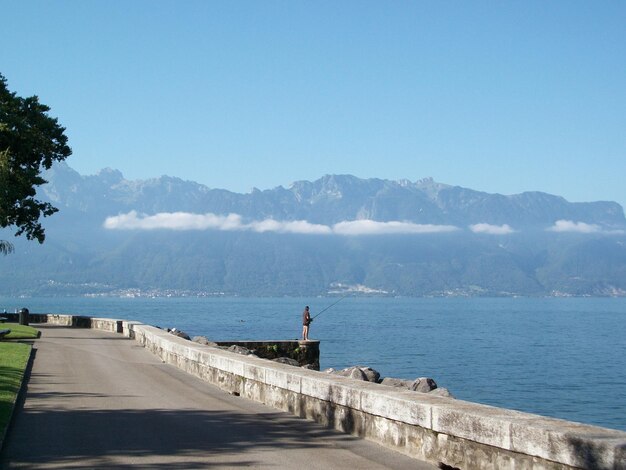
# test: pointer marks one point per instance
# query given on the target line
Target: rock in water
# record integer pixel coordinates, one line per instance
(180, 334)
(203, 340)
(360, 373)
(239, 350)
(441, 392)
(371, 374)
(423, 384)
(398, 383)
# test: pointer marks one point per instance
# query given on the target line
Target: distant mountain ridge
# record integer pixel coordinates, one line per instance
(334, 235)
(328, 200)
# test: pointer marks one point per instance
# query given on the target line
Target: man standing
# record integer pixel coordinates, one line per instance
(306, 321)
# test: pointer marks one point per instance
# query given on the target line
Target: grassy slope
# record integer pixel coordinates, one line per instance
(13, 362)
(19, 331)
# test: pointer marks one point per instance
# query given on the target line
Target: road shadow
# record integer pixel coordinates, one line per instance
(67, 438)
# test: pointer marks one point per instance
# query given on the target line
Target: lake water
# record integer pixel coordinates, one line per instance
(560, 357)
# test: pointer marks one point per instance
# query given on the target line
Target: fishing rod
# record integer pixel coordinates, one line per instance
(331, 305)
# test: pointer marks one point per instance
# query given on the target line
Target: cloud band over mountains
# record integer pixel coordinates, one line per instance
(491, 229)
(235, 222)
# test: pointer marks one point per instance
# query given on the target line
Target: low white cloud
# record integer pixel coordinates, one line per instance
(173, 221)
(489, 229)
(581, 227)
(234, 222)
(571, 226)
(188, 221)
(297, 226)
(372, 227)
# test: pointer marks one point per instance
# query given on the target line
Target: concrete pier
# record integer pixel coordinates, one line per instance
(443, 431)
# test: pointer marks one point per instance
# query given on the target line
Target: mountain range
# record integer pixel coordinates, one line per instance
(340, 233)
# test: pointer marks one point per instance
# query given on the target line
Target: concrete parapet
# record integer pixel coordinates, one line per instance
(437, 429)
(128, 328)
(55, 319)
(106, 324)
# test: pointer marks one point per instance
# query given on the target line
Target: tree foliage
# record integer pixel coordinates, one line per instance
(30, 141)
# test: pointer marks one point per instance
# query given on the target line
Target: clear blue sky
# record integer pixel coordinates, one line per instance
(497, 96)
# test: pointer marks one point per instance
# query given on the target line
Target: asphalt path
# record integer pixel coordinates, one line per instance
(99, 400)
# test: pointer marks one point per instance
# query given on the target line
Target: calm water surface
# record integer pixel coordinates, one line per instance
(564, 358)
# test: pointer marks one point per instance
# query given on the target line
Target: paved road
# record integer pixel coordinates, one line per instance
(98, 400)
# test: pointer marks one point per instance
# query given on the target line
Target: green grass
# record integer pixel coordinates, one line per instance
(13, 362)
(19, 331)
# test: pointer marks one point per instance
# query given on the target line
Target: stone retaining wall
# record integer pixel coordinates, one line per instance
(436, 429)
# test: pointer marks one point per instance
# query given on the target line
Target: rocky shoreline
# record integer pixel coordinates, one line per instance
(420, 384)
(358, 372)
